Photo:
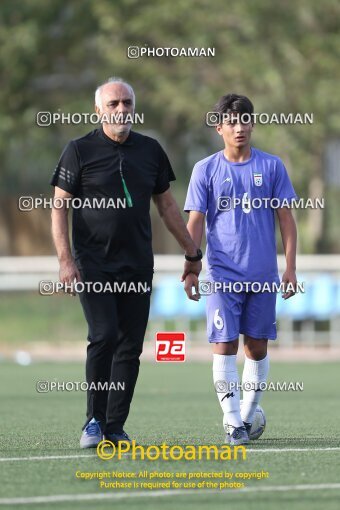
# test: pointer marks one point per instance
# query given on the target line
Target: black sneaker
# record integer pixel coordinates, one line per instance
(117, 437)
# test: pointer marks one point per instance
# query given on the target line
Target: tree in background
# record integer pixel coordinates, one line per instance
(283, 55)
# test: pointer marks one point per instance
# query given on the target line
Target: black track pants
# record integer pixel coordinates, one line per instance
(117, 323)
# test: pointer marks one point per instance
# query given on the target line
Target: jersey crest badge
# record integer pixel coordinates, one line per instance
(258, 179)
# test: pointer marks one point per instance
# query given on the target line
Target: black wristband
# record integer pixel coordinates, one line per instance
(197, 257)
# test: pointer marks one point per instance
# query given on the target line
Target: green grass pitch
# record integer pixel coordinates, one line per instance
(174, 403)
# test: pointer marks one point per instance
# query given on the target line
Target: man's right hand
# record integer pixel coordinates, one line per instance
(69, 273)
(191, 281)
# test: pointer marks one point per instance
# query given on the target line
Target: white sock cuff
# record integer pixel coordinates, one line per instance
(257, 369)
(224, 362)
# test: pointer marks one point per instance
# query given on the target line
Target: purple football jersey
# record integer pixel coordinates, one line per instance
(239, 200)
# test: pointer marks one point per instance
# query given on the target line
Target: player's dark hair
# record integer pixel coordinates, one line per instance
(234, 103)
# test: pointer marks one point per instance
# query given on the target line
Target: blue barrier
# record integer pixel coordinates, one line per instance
(337, 299)
(298, 306)
(167, 300)
(320, 300)
(322, 297)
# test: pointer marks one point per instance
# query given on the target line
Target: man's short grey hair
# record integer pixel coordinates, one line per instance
(113, 79)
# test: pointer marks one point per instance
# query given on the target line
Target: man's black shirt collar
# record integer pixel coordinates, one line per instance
(128, 141)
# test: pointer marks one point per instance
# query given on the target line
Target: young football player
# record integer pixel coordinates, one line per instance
(241, 249)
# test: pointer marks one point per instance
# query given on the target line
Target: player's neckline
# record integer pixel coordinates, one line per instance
(240, 163)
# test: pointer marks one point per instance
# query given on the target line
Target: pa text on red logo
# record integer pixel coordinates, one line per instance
(170, 346)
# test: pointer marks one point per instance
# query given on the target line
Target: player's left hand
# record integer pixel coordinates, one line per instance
(191, 281)
(191, 267)
(289, 276)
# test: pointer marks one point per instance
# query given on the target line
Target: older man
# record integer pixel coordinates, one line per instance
(112, 245)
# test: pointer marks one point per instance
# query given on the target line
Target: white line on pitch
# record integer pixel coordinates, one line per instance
(48, 457)
(275, 450)
(128, 454)
(159, 493)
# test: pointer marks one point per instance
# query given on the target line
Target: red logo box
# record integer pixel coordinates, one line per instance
(170, 346)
